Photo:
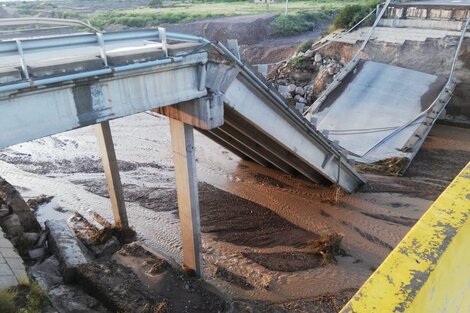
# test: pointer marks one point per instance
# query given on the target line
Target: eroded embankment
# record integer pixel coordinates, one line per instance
(259, 44)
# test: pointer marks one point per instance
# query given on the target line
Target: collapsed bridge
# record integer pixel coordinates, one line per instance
(53, 84)
(58, 83)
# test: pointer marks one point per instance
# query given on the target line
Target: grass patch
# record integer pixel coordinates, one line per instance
(156, 12)
(8, 300)
(142, 19)
(287, 25)
(24, 299)
(297, 60)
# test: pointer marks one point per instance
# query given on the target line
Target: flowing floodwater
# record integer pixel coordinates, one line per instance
(257, 222)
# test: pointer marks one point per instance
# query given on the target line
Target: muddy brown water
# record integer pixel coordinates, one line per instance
(246, 210)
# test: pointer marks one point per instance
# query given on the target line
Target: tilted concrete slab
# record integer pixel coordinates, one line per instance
(371, 103)
(261, 128)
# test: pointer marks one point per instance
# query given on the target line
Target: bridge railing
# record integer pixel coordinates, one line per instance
(95, 43)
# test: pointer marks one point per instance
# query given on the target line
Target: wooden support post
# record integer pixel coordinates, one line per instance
(182, 139)
(108, 157)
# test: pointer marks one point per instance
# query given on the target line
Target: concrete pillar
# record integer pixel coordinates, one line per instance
(182, 140)
(108, 157)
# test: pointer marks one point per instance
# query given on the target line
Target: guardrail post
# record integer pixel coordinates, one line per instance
(182, 140)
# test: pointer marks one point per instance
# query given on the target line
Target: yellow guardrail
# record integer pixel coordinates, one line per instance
(429, 270)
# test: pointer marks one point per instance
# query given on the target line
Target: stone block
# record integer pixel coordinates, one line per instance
(69, 251)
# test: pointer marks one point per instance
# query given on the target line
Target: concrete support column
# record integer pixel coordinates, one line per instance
(182, 139)
(108, 157)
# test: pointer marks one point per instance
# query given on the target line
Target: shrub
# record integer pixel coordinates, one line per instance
(285, 25)
(352, 14)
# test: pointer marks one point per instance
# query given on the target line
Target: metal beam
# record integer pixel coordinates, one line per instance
(254, 143)
(226, 145)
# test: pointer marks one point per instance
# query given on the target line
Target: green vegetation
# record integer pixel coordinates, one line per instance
(141, 19)
(23, 299)
(352, 14)
(285, 25)
(168, 11)
(297, 60)
(302, 14)
(8, 300)
(304, 46)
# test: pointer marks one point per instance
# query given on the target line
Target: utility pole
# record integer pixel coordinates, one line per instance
(287, 1)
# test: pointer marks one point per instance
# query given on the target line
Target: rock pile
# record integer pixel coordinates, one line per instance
(19, 223)
(304, 77)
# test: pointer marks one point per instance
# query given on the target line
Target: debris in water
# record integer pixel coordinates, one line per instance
(33, 203)
(328, 246)
(394, 166)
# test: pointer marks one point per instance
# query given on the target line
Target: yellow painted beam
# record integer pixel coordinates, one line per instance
(429, 270)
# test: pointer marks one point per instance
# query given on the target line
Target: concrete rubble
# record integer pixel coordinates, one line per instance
(304, 77)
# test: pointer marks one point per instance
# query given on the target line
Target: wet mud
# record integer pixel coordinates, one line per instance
(246, 223)
(401, 220)
(65, 166)
(139, 281)
(239, 221)
(156, 199)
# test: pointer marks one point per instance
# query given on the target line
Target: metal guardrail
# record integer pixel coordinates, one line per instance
(20, 48)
